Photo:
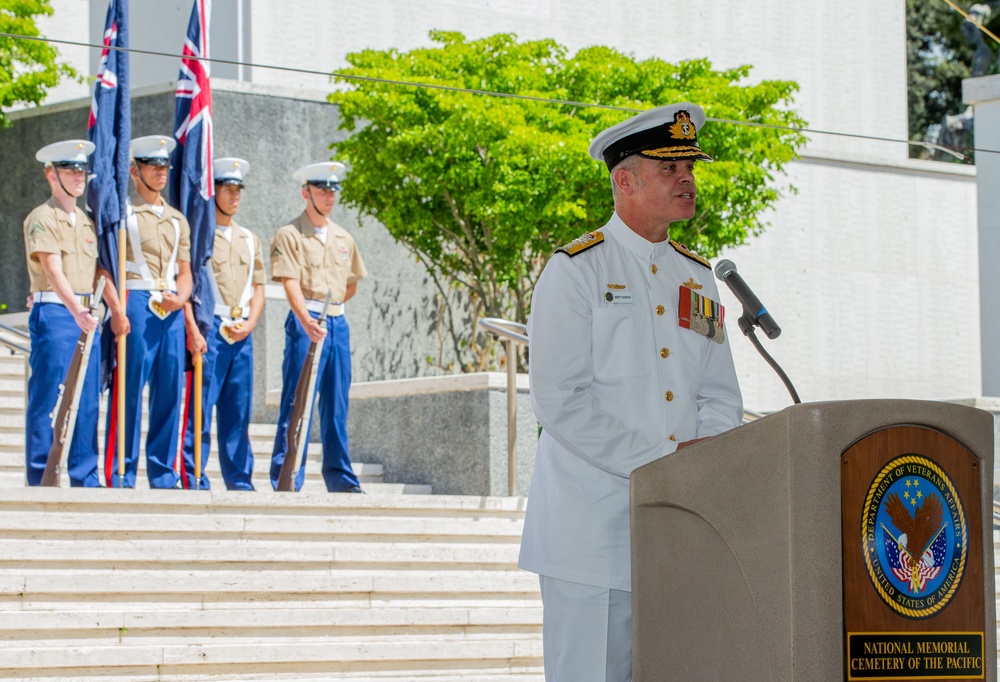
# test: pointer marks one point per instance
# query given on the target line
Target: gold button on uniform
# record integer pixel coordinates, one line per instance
(660, 310)
(664, 352)
(673, 437)
(669, 396)
(653, 268)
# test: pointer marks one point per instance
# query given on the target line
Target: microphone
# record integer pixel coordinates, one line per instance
(753, 310)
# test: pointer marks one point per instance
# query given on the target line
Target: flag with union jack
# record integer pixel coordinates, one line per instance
(192, 185)
(109, 128)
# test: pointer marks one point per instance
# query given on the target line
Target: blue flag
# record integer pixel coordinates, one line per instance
(192, 184)
(110, 128)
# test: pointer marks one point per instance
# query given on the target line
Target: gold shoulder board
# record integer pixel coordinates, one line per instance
(683, 250)
(582, 243)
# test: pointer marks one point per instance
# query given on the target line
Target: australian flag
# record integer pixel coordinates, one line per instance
(192, 185)
(110, 128)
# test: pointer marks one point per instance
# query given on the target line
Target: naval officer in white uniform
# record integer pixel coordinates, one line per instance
(630, 361)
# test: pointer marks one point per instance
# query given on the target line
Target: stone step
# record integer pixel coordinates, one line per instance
(28, 625)
(11, 385)
(106, 552)
(11, 366)
(313, 483)
(501, 652)
(346, 525)
(108, 586)
(484, 672)
(102, 623)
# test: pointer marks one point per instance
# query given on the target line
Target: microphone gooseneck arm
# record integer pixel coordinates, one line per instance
(749, 333)
(756, 314)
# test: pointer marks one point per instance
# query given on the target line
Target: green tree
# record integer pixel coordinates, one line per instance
(938, 57)
(482, 189)
(28, 68)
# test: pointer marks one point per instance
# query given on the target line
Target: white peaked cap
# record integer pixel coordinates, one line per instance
(230, 171)
(328, 174)
(68, 154)
(152, 147)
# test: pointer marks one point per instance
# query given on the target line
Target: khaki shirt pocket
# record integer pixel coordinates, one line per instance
(314, 258)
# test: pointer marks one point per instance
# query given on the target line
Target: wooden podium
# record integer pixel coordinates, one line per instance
(827, 542)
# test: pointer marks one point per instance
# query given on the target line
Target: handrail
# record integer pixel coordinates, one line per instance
(13, 346)
(513, 333)
(506, 328)
(17, 348)
(14, 330)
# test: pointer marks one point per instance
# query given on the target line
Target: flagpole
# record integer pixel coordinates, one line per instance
(121, 355)
(197, 420)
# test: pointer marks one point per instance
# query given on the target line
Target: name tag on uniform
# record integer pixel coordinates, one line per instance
(618, 294)
(701, 314)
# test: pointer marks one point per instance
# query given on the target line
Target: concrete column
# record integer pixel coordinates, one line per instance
(984, 94)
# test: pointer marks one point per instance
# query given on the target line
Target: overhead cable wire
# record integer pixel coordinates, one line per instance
(953, 150)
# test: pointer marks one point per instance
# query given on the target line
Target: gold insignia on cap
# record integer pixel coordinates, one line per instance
(162, 141)
(236, 164)
(79, 145)
(617, 287)
(691, 284)
(682, 127)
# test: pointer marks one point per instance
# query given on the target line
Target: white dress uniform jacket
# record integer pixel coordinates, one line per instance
(615, 384)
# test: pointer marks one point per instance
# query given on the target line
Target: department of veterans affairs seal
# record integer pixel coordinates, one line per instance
(914, 536)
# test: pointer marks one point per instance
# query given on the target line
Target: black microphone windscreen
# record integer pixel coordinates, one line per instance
(724, 268)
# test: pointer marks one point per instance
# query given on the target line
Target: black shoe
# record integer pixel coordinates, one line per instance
(353, 489)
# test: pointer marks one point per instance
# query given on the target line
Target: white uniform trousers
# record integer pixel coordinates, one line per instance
(586, 632)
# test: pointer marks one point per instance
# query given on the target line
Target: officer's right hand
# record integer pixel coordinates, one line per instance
(196, 343)
(84, 320)
(314, 330)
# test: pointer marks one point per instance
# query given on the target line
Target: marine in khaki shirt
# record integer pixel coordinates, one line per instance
(158, 279)
(49, 229)
(61, 253)
(237, 266)
(157, 235)
(231, 262)
(298, 253)
(311, 256)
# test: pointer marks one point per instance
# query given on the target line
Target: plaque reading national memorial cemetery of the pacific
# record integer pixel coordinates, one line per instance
(913, 582)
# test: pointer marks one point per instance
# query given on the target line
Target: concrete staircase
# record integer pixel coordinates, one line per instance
(214, 585)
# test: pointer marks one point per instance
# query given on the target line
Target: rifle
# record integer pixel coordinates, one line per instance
(302, 403)
(64, 413)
